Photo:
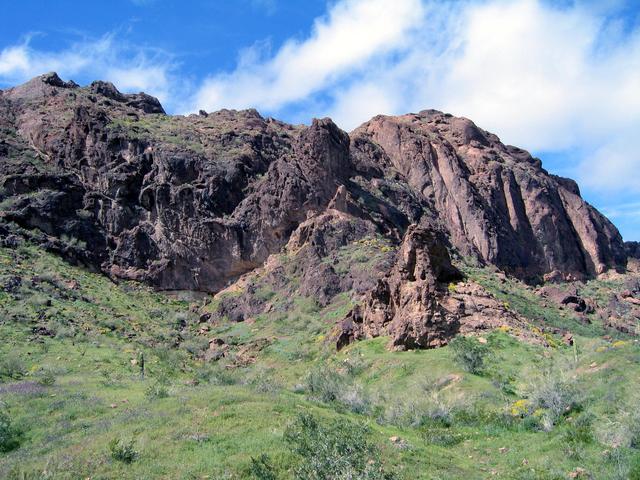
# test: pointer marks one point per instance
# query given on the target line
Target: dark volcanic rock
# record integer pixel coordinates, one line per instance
(109, 180)
(632, 249)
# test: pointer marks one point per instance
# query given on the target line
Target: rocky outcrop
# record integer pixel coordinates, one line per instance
(196, 202)
(632, 249)
(406, 304)
(425, 301)
(495, 201)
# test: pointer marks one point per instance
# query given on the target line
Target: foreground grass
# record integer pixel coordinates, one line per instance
(71, 382)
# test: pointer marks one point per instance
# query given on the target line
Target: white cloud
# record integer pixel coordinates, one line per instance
(131, 69)
(353, 32)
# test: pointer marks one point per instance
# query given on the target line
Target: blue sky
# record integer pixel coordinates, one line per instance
(558, 77)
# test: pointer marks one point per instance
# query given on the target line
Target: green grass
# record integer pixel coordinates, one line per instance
(74, 391)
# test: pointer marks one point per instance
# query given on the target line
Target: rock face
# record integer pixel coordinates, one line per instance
(109, 180)
(423, 302)
(407, 303)
(632, 249)
(495, 201)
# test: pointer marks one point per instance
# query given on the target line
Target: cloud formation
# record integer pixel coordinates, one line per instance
(353, 33)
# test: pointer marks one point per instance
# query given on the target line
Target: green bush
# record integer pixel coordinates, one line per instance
(634, 468)
(9, 434)
(470, 353)
(157, 389)
(46, 376)
(326, 385)
(335, 450)
(122, 450)
(261, 468)
(578, 433)
(634, 431)
(556, 393)
(443, 437)
(12, 367)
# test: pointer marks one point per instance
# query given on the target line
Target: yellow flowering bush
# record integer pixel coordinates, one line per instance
(520, 408)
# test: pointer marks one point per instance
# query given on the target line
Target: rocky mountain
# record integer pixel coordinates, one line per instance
(207, 202)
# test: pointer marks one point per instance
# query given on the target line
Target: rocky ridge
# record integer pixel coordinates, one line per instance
(212, 201)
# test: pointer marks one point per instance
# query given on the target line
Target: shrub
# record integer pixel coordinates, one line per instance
(443, 437)
(556, 393)
(265, 381)
(577, 434)
(634, 431)
(335, 450)
(470, 353)
(12, 367)
(634, 468)
(46, 376)
(122, 450)
(326, 385)
(261, 468)
(157, 389)
(9, 434)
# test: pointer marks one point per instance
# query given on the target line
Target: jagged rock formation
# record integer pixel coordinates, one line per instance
(495, 201)
(407, 303)
(195, 202)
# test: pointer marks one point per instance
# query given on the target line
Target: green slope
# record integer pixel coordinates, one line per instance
(71, 343)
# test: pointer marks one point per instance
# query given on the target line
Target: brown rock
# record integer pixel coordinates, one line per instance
(492, 197)
(405, 304)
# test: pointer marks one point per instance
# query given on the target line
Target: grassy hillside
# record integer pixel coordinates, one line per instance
(282, 403)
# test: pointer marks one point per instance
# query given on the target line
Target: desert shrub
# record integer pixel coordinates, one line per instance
(482, 415)
(9, 434)
(355, 365)
(180, 320)
(470, 353)
(634, 468)
(443, 437)
(12, 367)
(355, 398)
(46, 376)
(264, 381)
(111, 379)
(334, 450)
(577, 434)
(430, 412)
(61, 329)
(261, 468)
(195, 345)
(216, 374)
(123, 450)
(156, 390)
(324, 384)
(169, 358)
(555, 392)
(329, 386)
(634, 431)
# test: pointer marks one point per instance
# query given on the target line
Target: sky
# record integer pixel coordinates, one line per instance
(560, 78)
